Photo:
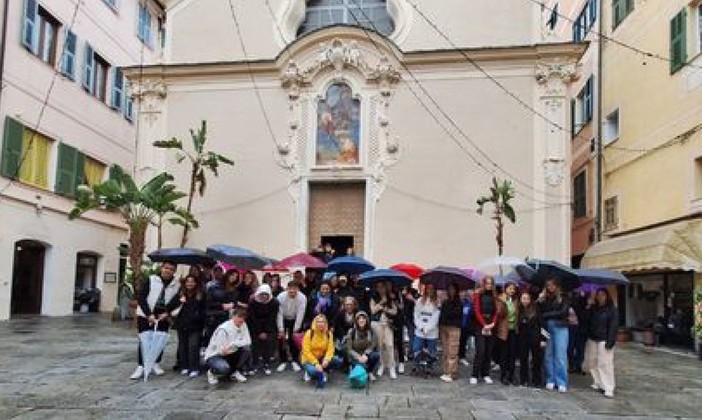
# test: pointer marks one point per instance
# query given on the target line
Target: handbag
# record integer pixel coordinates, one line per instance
(297, 339)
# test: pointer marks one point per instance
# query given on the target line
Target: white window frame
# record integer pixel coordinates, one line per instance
(610, 131)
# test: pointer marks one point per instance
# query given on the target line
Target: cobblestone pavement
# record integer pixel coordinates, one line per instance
(78, 367)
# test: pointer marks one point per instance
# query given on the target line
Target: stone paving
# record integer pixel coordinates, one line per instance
(78, 367)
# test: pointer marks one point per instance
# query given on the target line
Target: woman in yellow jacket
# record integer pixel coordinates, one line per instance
(318, 351)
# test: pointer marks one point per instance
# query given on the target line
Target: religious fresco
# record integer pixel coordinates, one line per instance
(338, 127)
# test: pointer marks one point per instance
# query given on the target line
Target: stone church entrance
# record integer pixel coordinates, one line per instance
(337, 216)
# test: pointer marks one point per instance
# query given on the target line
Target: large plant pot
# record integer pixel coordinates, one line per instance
(623, 335)
(649, 337)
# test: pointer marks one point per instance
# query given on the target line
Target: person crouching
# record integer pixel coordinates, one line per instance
(229, 349)
(318, 351)
(361, 346)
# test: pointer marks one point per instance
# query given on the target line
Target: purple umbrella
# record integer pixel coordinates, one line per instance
(441, 277)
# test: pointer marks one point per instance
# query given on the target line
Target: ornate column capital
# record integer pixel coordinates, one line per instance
(150, 95)
(554, 78)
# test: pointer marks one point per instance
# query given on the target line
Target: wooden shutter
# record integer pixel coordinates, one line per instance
(117, 88)
(65, 176)
(88, 68)
(11, 148)
(78, 171)
(68, 61)
(30, 27)
(572, 117)
(678, 41)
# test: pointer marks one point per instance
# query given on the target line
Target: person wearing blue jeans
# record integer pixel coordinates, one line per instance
(554, 314)
(361, 345)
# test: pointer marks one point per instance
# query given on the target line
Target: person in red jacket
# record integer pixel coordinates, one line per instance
(486, 313)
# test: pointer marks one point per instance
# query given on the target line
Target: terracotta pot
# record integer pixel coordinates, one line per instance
(649, 337)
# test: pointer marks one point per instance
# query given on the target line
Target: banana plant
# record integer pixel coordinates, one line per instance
(201, 161)
(501, 193)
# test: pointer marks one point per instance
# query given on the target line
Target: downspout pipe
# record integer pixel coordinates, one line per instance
(3, 42)
(598, 140)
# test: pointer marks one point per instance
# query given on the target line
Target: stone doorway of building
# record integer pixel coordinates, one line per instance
(337, 216)
(27, 278)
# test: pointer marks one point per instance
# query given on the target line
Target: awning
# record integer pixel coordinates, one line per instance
(677, 246)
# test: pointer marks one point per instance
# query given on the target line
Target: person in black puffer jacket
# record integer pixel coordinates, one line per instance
(450, 321)
(602, 326)
(263, 324)
(220, 299)
(189, 324)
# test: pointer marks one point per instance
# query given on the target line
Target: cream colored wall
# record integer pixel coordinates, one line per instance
(667, 107)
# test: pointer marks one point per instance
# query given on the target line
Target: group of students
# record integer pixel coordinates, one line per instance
(315, 326)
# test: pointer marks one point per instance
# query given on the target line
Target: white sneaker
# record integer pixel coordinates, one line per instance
(595, 387)
(324, 378)
(550, 386)
(306, 377)
(238, 377)
(372, 377)
(211, 378)
(381, 369)
(446, 378)
(488, 380)
(282, 367)
(138, 373)
(157, 370)
(267, 371)
(401, 368)
(184, 372)
(562, 389)
(473, 381)
(609, 394)
(295, 366)
(194, 374)
(465, 362)
(393, 375)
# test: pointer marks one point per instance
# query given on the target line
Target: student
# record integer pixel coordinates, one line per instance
(262, 318)
(290, 317)
(383, 312)
(229, 349)
(276, 287)
(486, 313)
(345, 319)
(603, 323)
(466, 325)
(450, 332)
(189, 324)
(158, 300)
(318, 351)
(247, 287)
(398, 328)
(323, 302)
(426, 321)
(554, 313)
(530, 342)
(361, 347)
(507, 333)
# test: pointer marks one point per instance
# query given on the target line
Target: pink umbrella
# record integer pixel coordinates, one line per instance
(302, 259)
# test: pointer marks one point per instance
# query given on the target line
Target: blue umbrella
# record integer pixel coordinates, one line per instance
(441, 277)
(188, 256)
(549, 269)
(603, 277)
(240, 257)
(349, 264)
(398, 278)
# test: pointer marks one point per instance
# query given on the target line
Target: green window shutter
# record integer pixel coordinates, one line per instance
(117, 88)
(68, 61)
(65, 176)
(629, 7)
(678, 41)
(572, 117)
(11, 148)
(88, 67)
(78, 171)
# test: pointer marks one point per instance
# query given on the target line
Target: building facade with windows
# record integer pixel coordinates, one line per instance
(66, 118)
(652, 136)
(367, 124)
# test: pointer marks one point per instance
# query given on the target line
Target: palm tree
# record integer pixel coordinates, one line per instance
(201, 160)
(500, 195)
(138, 206)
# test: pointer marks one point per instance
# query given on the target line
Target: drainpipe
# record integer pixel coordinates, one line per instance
(598, 139)
(3, 38)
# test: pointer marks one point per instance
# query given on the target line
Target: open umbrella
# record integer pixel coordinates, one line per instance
(153, 342)
(512, 263)
(302, 259)
(600, 276)
(349, 264)
(274, 268)
(188, 256)
(548, 269)
(442, 276)
(369, 278)
(240, 257)
(412, 270)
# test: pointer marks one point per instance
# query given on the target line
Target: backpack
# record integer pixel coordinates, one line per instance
(358, 377)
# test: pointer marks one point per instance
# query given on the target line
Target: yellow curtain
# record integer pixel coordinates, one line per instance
(94, 171)
(35, 168)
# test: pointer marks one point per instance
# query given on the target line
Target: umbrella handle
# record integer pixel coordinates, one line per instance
(156, 325)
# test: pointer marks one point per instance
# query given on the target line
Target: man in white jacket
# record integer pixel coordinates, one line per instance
(290, 316)
(229, 349)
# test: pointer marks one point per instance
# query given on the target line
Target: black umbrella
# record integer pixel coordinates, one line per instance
(441, 277)
(549, 269)
(395, 277)
(240, 257)
(188, 256)
(603, 277)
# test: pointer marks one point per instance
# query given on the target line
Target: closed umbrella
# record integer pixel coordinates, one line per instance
(600, 276)
(441, 277)
(188, 256)
(240, 257)
(549, 269)
(153, 342)
(349, 264)
(302, 259)
(398, 278)
(412, 270)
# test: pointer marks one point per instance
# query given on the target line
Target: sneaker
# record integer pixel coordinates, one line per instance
(446, 378)
(381, 369)
(184, 372)
(138, 373)
(372, 377)
(495, 367)
(609, 394)
(157, 370)
(393, 375)
(211, 378)
(252, 372)
(550, 386)
(296, 367)
(401, 368)
(473, 381)
(238, 377)
(595, 387)
(267, 371)
(324, 378)
(465, 362)
(562, 389)
(194, 374)
(306, 377)
(282, 367)
(488, 380)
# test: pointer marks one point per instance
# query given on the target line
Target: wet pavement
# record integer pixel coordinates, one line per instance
(78, 367)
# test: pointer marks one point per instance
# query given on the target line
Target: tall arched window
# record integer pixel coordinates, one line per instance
(372, 14)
